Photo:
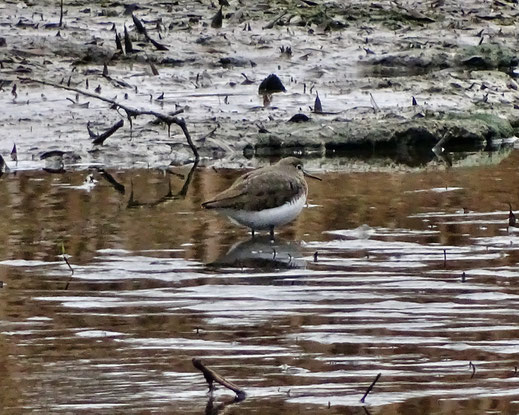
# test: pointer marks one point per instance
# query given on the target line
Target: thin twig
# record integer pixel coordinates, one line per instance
(61, 14)
(68, 263)
(370, 387)
(376, 108)
(473, 366)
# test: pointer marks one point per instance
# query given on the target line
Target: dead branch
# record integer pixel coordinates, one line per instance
(131, 112)
(274, 22)
(118, 43)
(128, 47)
(142, 30)
(139, 26)
(211, 376)
(158, 45)
(98, 139)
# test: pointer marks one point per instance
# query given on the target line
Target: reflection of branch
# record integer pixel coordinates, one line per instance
(181, 194)
(185, 187)
(212, 409)
(438, 148)
(211, 376)
(439, 151)
(110, 179)
(131, 112)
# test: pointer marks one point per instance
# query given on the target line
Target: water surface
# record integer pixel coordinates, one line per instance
(410, 273)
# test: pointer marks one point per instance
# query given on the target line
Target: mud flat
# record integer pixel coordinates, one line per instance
(393, 77)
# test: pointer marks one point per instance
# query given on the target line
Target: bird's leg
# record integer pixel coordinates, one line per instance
(252, 232)
(272, 233)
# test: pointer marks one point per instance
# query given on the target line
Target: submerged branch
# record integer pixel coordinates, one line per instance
(211, 376)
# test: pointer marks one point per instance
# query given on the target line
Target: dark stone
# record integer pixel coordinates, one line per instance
(299, 118)
(232, 61)
(52, 153)
(172, 61)
(271, 84)
(488, 56)
(477, 62)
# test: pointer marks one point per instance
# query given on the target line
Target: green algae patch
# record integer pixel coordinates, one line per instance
(496, 126)
(488, 56)
(471, 132)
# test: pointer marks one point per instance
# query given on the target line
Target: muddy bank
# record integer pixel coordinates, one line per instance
(388, 76)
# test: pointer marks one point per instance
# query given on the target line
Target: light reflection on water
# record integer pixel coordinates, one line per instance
(409, 281)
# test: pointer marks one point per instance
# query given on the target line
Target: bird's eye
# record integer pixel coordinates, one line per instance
(299, 167)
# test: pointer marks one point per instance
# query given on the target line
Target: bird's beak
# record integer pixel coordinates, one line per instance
(311, 176)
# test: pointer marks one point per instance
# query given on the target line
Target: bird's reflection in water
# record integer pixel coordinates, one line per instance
(264, 253)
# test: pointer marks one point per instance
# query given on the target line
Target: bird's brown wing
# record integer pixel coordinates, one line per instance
(230, 198)
(271, 189)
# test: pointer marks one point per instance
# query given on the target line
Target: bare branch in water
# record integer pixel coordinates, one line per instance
(211, 376)
(370, 387)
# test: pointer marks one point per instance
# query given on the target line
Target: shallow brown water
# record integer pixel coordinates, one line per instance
(155, 285)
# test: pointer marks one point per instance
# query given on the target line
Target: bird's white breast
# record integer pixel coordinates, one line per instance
(266, 218)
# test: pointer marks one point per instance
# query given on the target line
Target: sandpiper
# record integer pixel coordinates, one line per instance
(265, 198)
